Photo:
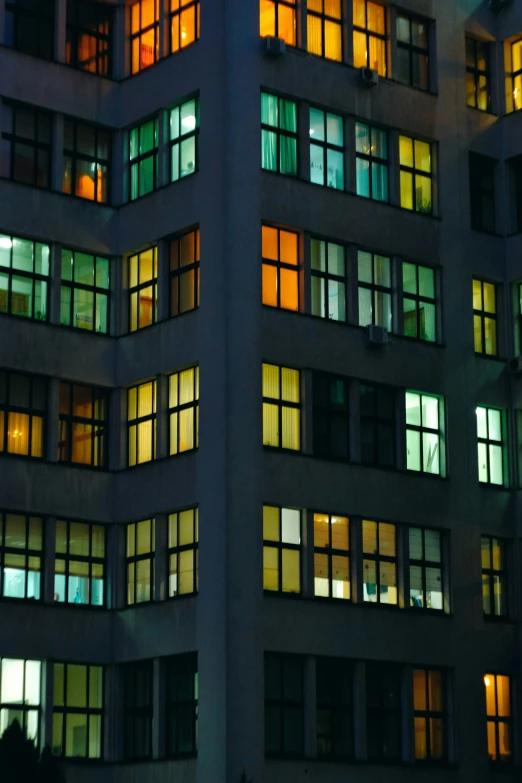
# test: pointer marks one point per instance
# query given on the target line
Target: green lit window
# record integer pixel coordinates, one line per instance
(78, 711)
(184, 139)
(326, 149)
(419, 302)
(424, 433)
(371, 161)
(278, 134)
(494, 576)
(281, 549)
(184, 410)
(183, 552)
(24, 277)
(425, 568)
(379, 562)
(21, 696)
(485, 317)
(328, 280)
(375, 289)
(143, 157)
(490, 445)
(415, 159)
(141, 546)
(79, 565)
(84, 296)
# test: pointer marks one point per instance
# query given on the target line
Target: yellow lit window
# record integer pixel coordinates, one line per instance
(369, 36)
(494, 577)
(183, 552)
(516, 61)
(280, 268)
(429, 706)
(498, 711)
(22, 411)
(415, 175)
(324, 23)
(141, 545)
(281, 407)
(281, 549)
(141, 417)
(485, 317)
(144, 34)
(331, 558)
(379, 562)
(278, 17)
(78, 710)
(184, 410)
(143, 289)
(184, 23)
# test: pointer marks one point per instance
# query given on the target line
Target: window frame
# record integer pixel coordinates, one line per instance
(176, 410)
(421, 299)
(132, 560)
(414, 49)
(174, 551)
(136, 36)
(283, 269)
(135, 290)
(65, 710)
(341, 711)
(414, 173)
(37, 146)
(485, 315)
(26, 552)
(331, 552)
(423, 429)
(35, 277)
(515, 74)
(280, 546)
(278, 131)
(100, 431)
(40, 18)
(424, 565)
(377, 558)
(380, 293)
(178, 273)
(377, 421)
(138, 420)
(90, 560)
(491, 574)
(177, 142)
(24, 707)
(281, 405)
(177, 13)
(384, 37)
(376, 714)
(325, 278)
(100, 163)
(134, 713)
(292, 6)
(475, 72)
(176, 709)
(135, 163)
(104, 39)
(490, 443)
(97, 292)
(496, 719)
(330, 415)
(327, 148)
(283, 704)
(31, 411)
(374, 161)
(481, 168)
(326, 20)
(429, 715)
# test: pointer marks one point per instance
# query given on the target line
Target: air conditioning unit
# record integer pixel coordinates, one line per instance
(369, 77)
(273, 47)
(377, 335)
(499, 5)
(515, 365)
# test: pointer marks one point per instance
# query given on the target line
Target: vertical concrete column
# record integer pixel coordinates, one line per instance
(163, 148)
(55, 283)
(116, 553)
(354, 406)
(303, 141)
(347, 12)
(310, 712)
(356, 560)
(119, 297)
(163, 280)
(408, 731)
(305, 284)
(119, 39)
(118, 430)
(162, 403)
(60, 25)
(308, 585)
(350, 165)
(359, 705)
(2, 22)
(158, 711)
(160, 568)
(48, 563)
(164, 28)
(120, 167)
(306, 412)
(53, 420)
(352, 294)
(112, 721)
(47, 689)
(57, 153)
(393, 168)
(397, 312)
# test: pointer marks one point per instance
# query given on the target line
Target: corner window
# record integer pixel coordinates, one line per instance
(280, 251)
(85, 291)
(490, 446)
(371, 161)
(415, 159)
(184, 410)
(141, 546)
(278, 135)
(424, 433)
(89, 36)
(419, 302)
(143, 289)
(143, 158)
(383, 712)
(482, 192)
(24, 277)
(21, 696)
(377, 422)
(485, 317)
(79, 564)
(281, 407)
(324, 35)
(499, 718)
(425, 568)
(141, 422)
(412, 66)
(181, 674)
(78, 711)
(137, 710)
(328, 280)
(374, 289)
(84, 413)
(183, 552)
(29, 27)
(184, 23)
(21, 551)
(281, 549)
(331, 417)
(379, 562)
(335, 708)
(430, 718)
(326, 149)
(331, 556)
(278, 18)
(494, 576)
(27, 145)
(284, 705)
(22, 414)
(86, 161)
(184, 139)
(369, 36)
(516, 64)
(478, 75)
(144, 37)
(184, 272)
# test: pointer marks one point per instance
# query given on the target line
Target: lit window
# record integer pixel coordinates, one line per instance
(281, 549)
(335, 708)
(184, 410)
(181, 675)
(478, 75)
(482, 192)
(490, 445)
(418, 302)
(284, 705)
(83, 424)
(278, 134)
(27, 150)
(278, 18)
(89, 36)
(383, 712)
(20, 556)
(377, 425)
(184, 23)
(144, 36)
(184, 139)
(183, 552)
(424, 433)
(331, 419)
(24, 277)
(78, 711)
(84, 297)
(375, 289)
(137, 710)
(324, 22)
(429, 705)
(29, 27)
(516, 63)
(425, 568)
(20, 696)
(143, 157)
(86, 161)
(280, 251)
(499, 720)
(326, 149)
(281, 407)
(331, 556)
(143, 289)
(22, 414)
(379, 562)
(494, 577)
(415, 175)
(79, 565)
(184, 272)
(369, 36)
(412, 66)
(141, 418)
(141, 545)
(485, 317)
(371, 160)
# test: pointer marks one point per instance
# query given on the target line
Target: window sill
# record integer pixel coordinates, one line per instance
(495, 620)
(489, 357)
(494, 487)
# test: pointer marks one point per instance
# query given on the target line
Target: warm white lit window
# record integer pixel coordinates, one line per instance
(184, 410)
(490, 446)
(331, 556)
(20, 695)
(282, 549)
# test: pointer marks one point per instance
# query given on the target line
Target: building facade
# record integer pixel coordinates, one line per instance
(260, 394)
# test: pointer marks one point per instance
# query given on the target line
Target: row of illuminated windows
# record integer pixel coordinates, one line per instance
(367, 561)
(374, 711)
(85, 165)
(161, 559)
(89, 28)
(80, 702)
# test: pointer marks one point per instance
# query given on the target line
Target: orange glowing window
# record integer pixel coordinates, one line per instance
(22, 414)
(369, 36)
(144, 34)
(184, 23)
(83, 424)
(324, 29)
(86, 161)
(430, 718)
(89, 36)
(279, 18)
(280, 251)
(498, 711)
